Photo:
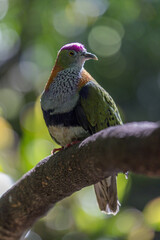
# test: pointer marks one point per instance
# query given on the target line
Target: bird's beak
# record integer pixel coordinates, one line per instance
(88, 56)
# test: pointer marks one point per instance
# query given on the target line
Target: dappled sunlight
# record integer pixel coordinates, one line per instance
(4, 8)
(87, 200)
(29, 70)
(37, 149)
(31, 120)
(89, 223)
(27, 117)
(104, 41)
(36, 143)
(6, 135)
(152, 213)
(60, 218)
(123, 186)
(10, 102)
(32, 236)
(9, 42)
(74, 19)
(143, 233)
(124, 35)
(91, 8)
(104, 238)
(75, 235)
(39, 126)
(129, 219)
(66, 25)
(128, 11)
(17, 81)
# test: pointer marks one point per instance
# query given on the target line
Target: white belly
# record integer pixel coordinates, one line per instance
(66, 135)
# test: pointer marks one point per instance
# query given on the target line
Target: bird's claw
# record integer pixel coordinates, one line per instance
(61, 148)
(56, 150)
(72, 143)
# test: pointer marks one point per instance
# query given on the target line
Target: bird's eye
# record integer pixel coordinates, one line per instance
(72, 53)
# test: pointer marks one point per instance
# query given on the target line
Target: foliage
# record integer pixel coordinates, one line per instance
(125, 36)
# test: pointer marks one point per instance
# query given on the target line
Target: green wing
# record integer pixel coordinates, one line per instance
(97, 109)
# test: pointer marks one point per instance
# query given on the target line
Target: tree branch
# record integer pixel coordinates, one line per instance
(131, 147)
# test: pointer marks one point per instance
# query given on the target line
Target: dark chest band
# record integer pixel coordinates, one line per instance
(65, 119)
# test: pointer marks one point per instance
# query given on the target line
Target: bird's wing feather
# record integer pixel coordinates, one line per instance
(96, 109)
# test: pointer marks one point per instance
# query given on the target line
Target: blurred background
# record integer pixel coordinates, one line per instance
(125, 35)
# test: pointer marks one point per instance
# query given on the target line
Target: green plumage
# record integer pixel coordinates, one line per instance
(75, 106)
(99, 108)
(100, 112)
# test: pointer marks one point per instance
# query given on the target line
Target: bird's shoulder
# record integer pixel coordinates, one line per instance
(85, 78)
(98, 106)
(94, 91)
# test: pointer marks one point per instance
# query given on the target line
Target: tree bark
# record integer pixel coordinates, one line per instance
(131, 147)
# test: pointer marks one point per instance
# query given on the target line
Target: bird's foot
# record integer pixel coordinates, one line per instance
(61, 148)
(56, 150)
(72, 143)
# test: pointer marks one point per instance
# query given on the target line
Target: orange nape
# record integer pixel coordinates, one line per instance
(54, 72)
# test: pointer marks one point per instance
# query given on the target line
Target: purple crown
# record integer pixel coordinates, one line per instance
(74, 46)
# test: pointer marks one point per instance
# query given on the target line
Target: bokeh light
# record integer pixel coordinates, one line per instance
(17, 80)
(92, 8)
(59, 219)
(152, 213)
(3, 8)
(29, 70)
(87, 200)
(69, 23)
(104, 41)
(6, 135)
(128, 11)
(75, 235)
(37, 149)
(128, 220)
(104, 238)
(9, 42)
(123, 186)
(143, 233)
(125, 36)
(11, 104)
(32, 236)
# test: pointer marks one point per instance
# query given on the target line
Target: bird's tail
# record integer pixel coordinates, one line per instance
(106, 193)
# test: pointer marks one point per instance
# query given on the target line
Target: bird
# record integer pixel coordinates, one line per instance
(75, 106)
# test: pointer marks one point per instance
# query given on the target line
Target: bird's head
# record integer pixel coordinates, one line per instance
(73, 55)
